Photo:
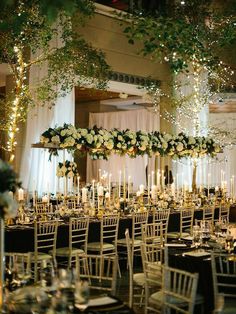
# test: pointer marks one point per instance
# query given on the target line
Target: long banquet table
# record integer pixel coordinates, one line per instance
(20, 238)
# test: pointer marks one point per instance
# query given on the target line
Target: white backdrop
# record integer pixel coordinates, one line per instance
(135, 168)
(36, 171)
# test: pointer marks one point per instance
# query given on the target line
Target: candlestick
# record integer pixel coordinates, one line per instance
(78, 191)
(158, 178)
(119, 184)
(129, 180)
(124, 187)
(208, 184)
(162, 179)
(109, 185)
(71, 184)
(100, 190)
(93, 192)
(148, 187)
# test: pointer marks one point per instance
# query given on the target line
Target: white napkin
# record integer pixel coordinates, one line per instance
(176, 244)
(101, 301)
(197, 253)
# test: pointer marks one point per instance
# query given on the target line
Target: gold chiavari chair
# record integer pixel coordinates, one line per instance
(45, 236)
(138, 220)
(78, 238)
(224, 282)
(186, 225)
(162, 215)
(178, 291)
(88, 267)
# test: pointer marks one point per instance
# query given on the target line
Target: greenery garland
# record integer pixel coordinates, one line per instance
(100, 143)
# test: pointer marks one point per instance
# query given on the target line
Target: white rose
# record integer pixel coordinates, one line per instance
(143, 148)
(109, 144)
(78, 146)
(191, 140)
(180, 147)
(133, 142)
(164, 145)
(119, 145)
(89, 138)
(84, 132)
(120, 138)
(63, 132)
(167, 137)
(55, 139)
(44, 139)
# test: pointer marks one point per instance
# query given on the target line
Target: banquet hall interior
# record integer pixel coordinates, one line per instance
(118, 156)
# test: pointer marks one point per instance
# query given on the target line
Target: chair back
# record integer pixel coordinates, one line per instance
(138, 220)
(99, 270)
(42, 210)
(20, 263)
(162, 215)
(109, 230)
(180, 286)
(130, 267)
(224, 276)
(45, 236)
(78, 233)
(224, 212)
(152, 233)
(208, 213)
(186, 220)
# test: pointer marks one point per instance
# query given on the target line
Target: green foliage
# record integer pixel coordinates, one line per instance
(27, 31)
(195, 31)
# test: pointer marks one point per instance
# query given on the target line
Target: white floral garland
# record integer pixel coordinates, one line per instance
(99, 143)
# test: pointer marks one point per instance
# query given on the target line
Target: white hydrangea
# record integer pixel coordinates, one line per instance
(83, 132)
(89, 138)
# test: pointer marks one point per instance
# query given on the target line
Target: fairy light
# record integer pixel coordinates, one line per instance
(16, 106)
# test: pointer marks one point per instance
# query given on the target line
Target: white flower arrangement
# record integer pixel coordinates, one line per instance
(67, 169)
(100, 143)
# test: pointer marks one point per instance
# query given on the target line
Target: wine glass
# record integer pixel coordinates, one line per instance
(196, 236)
(81, 295)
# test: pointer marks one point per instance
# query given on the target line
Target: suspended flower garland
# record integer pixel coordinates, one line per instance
(99, 143)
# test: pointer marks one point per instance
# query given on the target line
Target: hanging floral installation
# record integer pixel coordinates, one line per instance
(100, 143)
(67, 169)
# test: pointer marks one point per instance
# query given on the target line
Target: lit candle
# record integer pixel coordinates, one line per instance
(141, 188)
(153, 192)
(93, 192)
(100, 190)
(78, 191)
(45, 199)
(84, 195)
(20, 194)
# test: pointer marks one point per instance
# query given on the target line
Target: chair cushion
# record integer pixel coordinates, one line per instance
(122, 242)
(96, 246)
(41, 256)
(64, 251)
(229, 306)
(139, 279)
(157, 297)
(176, 235)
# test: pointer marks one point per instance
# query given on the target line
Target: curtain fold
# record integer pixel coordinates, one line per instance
(135, 168)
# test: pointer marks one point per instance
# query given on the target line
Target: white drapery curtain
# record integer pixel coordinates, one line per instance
(135, 168)
(36, 171)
